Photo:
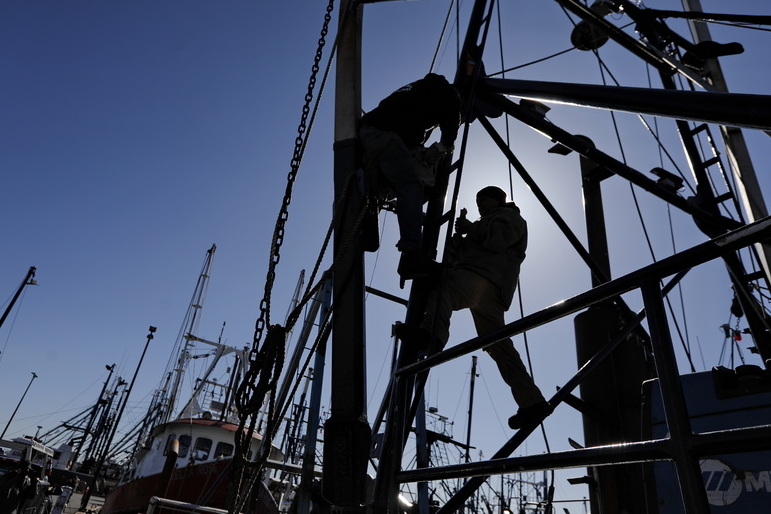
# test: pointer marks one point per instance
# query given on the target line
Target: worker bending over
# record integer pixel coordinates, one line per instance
(392, 135)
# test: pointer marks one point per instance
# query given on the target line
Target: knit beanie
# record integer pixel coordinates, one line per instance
(496, 193)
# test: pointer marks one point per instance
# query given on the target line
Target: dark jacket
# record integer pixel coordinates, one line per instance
(494, 247)
(416, 109)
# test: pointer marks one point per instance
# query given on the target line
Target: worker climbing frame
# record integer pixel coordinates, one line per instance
(348, 434)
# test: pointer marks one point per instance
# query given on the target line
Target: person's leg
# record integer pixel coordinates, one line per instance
(488, 313)
(396, 165)
(458, 291)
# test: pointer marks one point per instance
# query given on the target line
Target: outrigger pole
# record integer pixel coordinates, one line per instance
(29, 280)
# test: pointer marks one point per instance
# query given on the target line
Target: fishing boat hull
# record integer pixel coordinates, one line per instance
(198, 474)
(191, 484)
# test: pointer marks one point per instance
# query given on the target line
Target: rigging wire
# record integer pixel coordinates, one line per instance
(511, 195)
(531, 63)
(493, 401)
(441, 36)
(754, 256)
(460, 403)
(654, 131)
(660, 144)
(385, 364)
(519, 288)
(604, 69)
(548, 57)
(616, 131)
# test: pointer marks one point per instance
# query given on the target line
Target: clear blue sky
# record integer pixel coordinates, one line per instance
(134, 135)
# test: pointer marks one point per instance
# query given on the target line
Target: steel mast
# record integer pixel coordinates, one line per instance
(347, 440)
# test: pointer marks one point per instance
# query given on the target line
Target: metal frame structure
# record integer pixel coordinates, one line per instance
(347, 431)
(683, 446)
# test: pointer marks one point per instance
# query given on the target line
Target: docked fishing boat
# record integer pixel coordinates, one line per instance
(186, 460)
(188, 457)
(35, 457)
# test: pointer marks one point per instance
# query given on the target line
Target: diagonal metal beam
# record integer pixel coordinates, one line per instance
(699, 254)
(581, 146)
(737, 109)
(653, 56)
(707, 443)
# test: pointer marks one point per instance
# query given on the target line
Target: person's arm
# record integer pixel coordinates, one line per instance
(449, 128)
(450, 120)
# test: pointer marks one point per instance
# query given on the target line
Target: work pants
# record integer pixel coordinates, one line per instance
(465, 289)
(395, 163)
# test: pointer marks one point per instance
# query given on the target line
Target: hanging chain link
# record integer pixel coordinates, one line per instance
(273, 352)
(265, 364)
(297, 155)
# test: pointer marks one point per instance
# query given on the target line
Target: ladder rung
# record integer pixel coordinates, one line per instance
(710, 162)
(758, 275)
(698, 128)
(447, 216)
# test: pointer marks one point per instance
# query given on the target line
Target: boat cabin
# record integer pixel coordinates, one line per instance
(200, 441)
(25, 448)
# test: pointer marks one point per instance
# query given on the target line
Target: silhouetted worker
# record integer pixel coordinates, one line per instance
(14, 487)
(392, 134)
(483, 268)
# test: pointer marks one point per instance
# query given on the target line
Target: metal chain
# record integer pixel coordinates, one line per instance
(299, 149)
(248, 394)
(262, 376)
(274, 345)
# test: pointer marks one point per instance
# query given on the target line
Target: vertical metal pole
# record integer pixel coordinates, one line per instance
(347, 439)
(423, 451)
(192, 318)
(309, 454)
(401, 411)
(102, 428)
(34, 376)
(108, 442)
(470, 407)
(92, 418)
(673, 400)
(597, 241)
(294, 362)
(616, 395)
(504, 503)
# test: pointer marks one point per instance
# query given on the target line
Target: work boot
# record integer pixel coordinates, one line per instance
(530, 415)
(414, 336)
(414, 264)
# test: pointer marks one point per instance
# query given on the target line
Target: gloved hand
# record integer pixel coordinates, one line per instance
(436, 152)
(462, 224)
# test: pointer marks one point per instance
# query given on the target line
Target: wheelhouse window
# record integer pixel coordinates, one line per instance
(168, 443)
(202, 448)
(223, 450)
(184, 445)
